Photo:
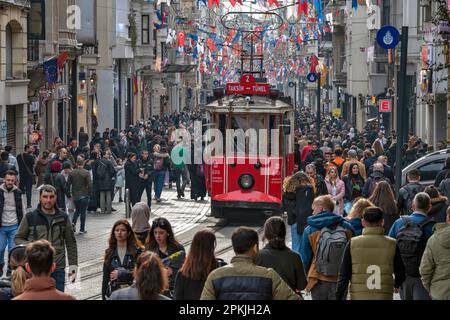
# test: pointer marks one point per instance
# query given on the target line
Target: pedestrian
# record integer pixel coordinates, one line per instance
(444, 186)
(279, 257)
(243, 279)
(48, 222)
(179, 157)
(4, 165)
(26, 168)
(120, 179)
(132, 179)
(83, 138)
(198, 182)
(11, 159)
(42, 167)
(354, 184)
(374, 179)
(11, 214)
(364, 254)
(321, 257)
(80, 184)
(336, 189)
(10, 288)
(319, 184)
(443, 173)
(57, 180)
(435, 264)
(297, 189)
(105, 176)
(348, 165)
(407, 193)
(356, 213)
(412, 233)
(140, 217)
(198, 264)
(150, 280)
(383, 197)
(160, 165)
(40, 263)
(161, 240)
(145, 164)
(439, 204)
(120, 258)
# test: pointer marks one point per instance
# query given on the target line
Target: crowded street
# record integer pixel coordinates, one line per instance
(229, 150)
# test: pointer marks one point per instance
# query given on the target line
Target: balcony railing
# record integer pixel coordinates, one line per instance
(90, 50)
(33, 50)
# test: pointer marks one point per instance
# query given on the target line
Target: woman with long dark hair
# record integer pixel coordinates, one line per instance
(161, 240)
(120, 258)
(278, 256)
(150, 280)
(132, 180)
(199, 263)
(383, 197)
(354, 184)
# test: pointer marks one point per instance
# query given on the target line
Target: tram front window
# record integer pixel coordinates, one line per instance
(250, 125)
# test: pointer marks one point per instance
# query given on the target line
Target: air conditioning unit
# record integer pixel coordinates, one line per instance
(374, 19)
(425, 3)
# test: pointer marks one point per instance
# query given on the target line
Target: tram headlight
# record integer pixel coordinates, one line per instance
(246, 181)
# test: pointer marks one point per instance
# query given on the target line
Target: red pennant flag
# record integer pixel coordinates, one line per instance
(314, 63)
(233, 3)
(273, 2)
(62, 58)
(230, 36)
(212, 2)
(181, 39)
(302, 7)
(211, 45)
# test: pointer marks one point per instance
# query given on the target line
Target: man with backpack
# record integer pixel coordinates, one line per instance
(407, 193)
(370, 257)
(322, 248)
(412, 233)
(375, 177)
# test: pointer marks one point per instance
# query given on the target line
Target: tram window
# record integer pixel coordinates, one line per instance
(256, 123)
(239, 122)
(222, 123)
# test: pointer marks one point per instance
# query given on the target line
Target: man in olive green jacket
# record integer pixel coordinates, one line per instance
(48, 223)
(435, 264)
(369, 262)
(243, 279)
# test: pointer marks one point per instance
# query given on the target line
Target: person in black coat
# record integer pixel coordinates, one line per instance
(200, 261)
(354, 183)
(441, 175)
(439, 205)
(132, 179)
(278, 256)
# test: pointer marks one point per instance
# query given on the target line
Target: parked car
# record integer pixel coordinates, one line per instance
(428, 166)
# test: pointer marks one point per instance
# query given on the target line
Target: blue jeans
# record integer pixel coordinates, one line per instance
(81, 206)
(159, 182)
(7, 239)
(296, 238)
(60, 277)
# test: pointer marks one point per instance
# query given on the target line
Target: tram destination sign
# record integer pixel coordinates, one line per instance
(248, 85)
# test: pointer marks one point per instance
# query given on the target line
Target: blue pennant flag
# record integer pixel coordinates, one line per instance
(236, 37)
(51, 70)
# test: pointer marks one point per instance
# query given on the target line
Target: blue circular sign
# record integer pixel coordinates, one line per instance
(291, 84)
(216, 82)
(388, 37)
(312, 77)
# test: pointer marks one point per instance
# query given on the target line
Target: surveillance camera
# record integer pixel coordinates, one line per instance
(248, 98)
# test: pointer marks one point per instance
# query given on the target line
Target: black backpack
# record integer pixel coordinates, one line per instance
(411, 241)
(409, 198)
(101, 169)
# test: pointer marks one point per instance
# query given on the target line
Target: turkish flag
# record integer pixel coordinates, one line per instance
(302, 7)
(273, 2)
(181, 39)
(211, 45)
(212, 2)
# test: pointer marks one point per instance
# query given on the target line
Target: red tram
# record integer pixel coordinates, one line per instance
(249, 178)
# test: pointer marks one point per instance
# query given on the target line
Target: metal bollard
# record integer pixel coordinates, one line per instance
(127, 204)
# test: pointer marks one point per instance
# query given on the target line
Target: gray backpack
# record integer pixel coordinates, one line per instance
(330, 250)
